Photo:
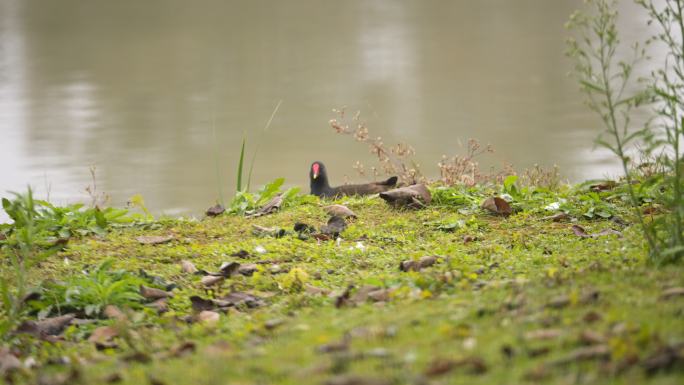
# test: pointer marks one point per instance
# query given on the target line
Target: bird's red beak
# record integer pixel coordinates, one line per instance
(315, 168)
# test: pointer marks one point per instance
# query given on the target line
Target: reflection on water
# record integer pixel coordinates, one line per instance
(155, 92)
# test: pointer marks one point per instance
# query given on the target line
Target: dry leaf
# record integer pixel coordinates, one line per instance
(585, 354)
(497, 206)
(188, 267)
(102, 337)
(212, 280)
(339, 211)
(208, 317)
(581, 232)
(413, 265)
(215, 210)
(47, 327)
(672, 292)
(113, 312)
(154, 239)
(416, 196)
(335, 226)
(543, 334)
(153, 293)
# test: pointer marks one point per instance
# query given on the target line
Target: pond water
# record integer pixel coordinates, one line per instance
(157, 95)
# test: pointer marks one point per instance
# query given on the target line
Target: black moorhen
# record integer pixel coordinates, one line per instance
(318, 179)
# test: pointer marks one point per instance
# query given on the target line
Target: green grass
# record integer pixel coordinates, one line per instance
(476, 303)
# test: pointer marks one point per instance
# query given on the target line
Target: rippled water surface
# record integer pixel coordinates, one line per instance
(158, 94)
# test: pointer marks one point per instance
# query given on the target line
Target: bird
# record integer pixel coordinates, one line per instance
(318, 178)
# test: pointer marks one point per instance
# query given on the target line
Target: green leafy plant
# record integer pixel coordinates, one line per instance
(23, 243)
(89, 293)
(613, 93)
(245, 202)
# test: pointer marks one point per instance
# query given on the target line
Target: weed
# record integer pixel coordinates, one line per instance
(614, 94)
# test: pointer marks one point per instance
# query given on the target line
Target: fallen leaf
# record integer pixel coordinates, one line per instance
(248, 269)
(496, 205)
(581, 232)
(590, 337)
(557, 217)
(47, 327)
(270, 207)
(334, 347)
(335, 226)
(591, 317)
(314, 290)
(672, 292)
(603, 186)
(538, 373)
(199, 304)
(153, 293)
(664, 359)
(161, 305)
(243, 254)
(154, 239)
(188, 267)
(338, 211)
(413, 265)
(183, 349)
(347, 379)
(102, 337)
(415, 196)
(585, 354)
(208, 317)
(215, 210)
(262, 231)
(113, 312)
(273, 323)
(228, 269)
(212, 280)
(543, 334)
(8, 362)
(441, 366)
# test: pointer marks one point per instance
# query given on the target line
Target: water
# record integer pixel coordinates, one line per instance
(156, 94)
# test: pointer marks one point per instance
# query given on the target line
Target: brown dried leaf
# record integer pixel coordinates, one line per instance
(557, 217)
(590, 337)
(212, 280)
(413, 265)
(415, 196)
(188, 267)
(663, 359)
(185, 348)
(581, 232)
(208, 317)
(672, 292)
(47, 327)
(585, 354)
(153, 293)
(215, 210)
(248, 269)
(161, 305)
(543, 334)
(339, 211)
(335, 226)
(102, 337)
(348, 379)
(113, 312)
(154, 239)
(8, 362)
(497, 205)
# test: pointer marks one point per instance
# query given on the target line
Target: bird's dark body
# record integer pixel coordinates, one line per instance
(320, 186)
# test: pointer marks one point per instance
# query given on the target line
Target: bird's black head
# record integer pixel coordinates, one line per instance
(318, 178)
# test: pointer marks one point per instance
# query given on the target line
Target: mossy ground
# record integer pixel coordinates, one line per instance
(507, 307)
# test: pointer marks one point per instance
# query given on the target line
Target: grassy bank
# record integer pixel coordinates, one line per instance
(525, 298)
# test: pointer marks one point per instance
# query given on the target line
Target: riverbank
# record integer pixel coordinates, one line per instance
(560, 292)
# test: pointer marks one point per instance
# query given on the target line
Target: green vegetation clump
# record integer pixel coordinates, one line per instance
(560, 290)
